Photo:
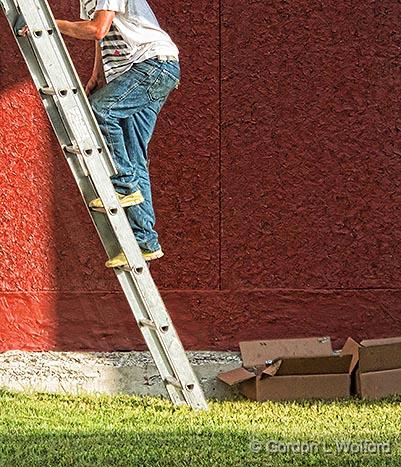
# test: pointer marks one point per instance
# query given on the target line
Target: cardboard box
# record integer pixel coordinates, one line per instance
(291, 369)
(378, 369)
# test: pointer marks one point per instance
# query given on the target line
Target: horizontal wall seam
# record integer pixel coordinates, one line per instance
(117, 292)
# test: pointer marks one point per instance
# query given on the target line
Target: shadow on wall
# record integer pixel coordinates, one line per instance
(28, 263)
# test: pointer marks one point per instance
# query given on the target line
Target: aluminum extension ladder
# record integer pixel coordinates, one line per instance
(87, 155)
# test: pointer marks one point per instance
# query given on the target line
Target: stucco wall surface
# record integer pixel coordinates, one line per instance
(277, 184)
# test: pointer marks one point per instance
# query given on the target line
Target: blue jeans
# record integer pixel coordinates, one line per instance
(126, 110)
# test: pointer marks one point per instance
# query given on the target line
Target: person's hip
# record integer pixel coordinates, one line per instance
(161, 75)
(170, 63)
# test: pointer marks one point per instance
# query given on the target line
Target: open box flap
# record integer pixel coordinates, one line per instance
(351, 347)
(256, 353)
(273, 368)
(238, 375)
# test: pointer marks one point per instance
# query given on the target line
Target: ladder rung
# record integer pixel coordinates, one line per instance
(113, 210)
(148, 323)
(136, 270)
(86, 152)
(72, 149)
(75, 150)
(173, 381)
(47, 91)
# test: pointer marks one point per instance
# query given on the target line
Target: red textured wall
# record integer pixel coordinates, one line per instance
(277, 183)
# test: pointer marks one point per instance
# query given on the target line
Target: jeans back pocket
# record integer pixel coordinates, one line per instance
(163, 85)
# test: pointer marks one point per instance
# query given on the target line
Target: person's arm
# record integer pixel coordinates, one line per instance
(94, 29)
(97, 80)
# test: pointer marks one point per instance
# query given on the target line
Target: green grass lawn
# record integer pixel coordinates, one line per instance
(52, 430)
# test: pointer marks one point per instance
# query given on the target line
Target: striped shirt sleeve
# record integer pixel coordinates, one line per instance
(82, 12)
(112, 5)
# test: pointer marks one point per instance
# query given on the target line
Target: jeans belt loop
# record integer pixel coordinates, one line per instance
(166, 58)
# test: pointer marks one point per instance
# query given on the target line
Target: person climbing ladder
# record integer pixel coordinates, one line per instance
(135, 69)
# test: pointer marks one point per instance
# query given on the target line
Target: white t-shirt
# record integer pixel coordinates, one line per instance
(135, 34)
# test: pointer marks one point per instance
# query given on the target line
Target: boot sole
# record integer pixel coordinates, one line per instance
(123, 205)
(147, 259)
(153, 256)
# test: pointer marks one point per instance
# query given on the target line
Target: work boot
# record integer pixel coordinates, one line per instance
(125, 201)
(120, 260)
